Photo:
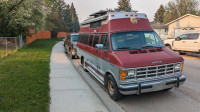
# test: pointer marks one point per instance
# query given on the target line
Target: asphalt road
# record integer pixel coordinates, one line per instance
(186, 98)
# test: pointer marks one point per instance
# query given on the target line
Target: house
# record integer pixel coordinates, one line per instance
(186, 24)
(161, 30)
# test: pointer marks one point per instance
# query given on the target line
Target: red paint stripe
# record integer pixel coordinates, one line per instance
(87, 64)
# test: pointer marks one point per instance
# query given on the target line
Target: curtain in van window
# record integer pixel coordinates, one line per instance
(104, 41)
(96, 40)
(90, 40)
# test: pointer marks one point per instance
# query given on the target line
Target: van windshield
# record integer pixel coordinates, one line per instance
(74, 37)
(135, 40)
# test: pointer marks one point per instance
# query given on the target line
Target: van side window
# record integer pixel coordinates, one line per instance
(96, 40)
(79, 38)
(105, 42)
(95, 24)
(84, 38)
(90, 40)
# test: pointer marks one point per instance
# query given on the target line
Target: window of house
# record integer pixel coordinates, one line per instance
(192, 29)
(96, 40)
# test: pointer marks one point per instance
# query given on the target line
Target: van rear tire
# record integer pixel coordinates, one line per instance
(112, 88)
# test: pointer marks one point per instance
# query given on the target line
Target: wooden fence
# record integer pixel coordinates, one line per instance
(45, 34)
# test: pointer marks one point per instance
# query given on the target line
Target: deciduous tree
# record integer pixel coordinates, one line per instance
(159, 15)
(19, 16)
(178, 8)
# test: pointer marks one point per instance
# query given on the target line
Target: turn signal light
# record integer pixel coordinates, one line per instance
(123, 75)
(131, 14)
(126, 15)
(182, 67)
(136, 15)
(112, 15)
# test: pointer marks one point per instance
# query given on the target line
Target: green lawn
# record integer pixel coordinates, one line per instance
(24, 78)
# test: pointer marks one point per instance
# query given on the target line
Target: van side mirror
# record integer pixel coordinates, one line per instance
(99, 46)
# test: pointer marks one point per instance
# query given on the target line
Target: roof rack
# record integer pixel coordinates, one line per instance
(99, 13)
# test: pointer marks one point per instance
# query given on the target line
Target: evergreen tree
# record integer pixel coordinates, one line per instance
(55, 20)
(68, 17)
(124, 5)
(159, 15)
(75, 22)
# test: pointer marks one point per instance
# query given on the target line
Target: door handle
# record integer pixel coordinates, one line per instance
(195, 42)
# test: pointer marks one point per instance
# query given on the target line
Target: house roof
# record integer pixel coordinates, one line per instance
(182, 17)
(159, 25)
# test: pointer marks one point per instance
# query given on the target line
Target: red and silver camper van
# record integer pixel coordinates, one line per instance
(122, 51)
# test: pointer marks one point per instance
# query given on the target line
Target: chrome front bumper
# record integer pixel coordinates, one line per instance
(150, 86)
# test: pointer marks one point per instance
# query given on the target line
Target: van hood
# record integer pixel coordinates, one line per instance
(132, 60)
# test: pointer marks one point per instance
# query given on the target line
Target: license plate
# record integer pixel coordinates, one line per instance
(158, 87)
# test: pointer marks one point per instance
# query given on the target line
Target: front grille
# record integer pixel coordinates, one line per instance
(155, 71)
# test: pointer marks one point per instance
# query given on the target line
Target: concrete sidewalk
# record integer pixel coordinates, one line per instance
(68, 91)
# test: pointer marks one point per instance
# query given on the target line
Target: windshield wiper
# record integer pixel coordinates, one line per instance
(135, 49)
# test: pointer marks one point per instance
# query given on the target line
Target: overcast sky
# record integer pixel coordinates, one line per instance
(86, 7)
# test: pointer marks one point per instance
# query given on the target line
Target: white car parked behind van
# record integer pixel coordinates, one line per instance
(185, 43)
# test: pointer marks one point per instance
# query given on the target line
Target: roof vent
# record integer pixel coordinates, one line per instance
(143, 51)
(134, 52)
(159, 50)
(152, 50)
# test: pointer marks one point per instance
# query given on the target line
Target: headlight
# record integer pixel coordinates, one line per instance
(131, 73)
(177, 67)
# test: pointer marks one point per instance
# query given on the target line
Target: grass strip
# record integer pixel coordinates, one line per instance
(24, 78)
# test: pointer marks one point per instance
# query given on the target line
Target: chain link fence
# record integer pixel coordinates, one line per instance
(8, 45)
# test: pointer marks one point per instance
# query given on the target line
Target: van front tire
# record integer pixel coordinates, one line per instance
(112, 88)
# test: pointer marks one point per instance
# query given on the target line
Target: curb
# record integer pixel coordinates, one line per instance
(111, 105)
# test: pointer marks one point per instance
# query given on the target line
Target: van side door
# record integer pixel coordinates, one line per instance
(103, 61)
(89, 57)
(92, 57)
(192, 42)
(95, 51)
